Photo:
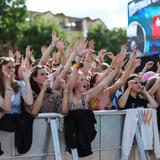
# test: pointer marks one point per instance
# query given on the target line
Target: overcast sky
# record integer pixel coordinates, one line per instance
(112, 12)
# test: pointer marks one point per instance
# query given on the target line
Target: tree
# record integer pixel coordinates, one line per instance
(12, 15)
(111, 40)
(37, 32)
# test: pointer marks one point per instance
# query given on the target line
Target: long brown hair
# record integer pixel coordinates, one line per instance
(14, 85)
(150, 83)
(34, 84)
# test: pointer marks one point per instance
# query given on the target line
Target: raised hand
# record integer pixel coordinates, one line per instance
(55, 38)
(124, 49)
(81, 47)
(158, 67)
(91, 44)
(101, 55)
(118, 60)
(28, 52)
(60, 45)
(10, 53)
(89, 55)
(149, 65)
(110, 55)
(137, 62)
(133, 54)
(18, 56)
(43, 49)
(32, 58)
(26, 73)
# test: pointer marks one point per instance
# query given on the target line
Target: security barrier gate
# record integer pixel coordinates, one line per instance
(106, 146)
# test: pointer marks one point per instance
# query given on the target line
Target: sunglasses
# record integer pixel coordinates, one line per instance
(139, 82)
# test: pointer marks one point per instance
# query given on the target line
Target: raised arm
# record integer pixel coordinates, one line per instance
(102, 85)
(124, 97)
(152, 102)
(49, 50)
(60, 46)
(158, 68)
(147, 66)
(80, 48)
(38, 101)
(114, 59)
(131, 66)
(26, 62)
(18, 56)
(28, 95)
(155, 87)
(87, 61)
(65, 102)
(63, 74)
(108, 70)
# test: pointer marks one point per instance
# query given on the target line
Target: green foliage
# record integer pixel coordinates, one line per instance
(111, 40)
(16, 32)
(37, 32)
(12, 14)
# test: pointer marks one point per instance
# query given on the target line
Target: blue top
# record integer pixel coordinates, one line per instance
(16, 99)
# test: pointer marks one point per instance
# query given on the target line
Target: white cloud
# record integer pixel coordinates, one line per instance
(113, 13)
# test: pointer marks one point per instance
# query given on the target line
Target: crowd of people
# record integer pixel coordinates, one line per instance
(71, 81)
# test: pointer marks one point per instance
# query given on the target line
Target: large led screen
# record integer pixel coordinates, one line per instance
(144, 26)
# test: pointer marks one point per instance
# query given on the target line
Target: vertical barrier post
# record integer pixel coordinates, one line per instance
(74, 154)
(55, 139)
(143, 155)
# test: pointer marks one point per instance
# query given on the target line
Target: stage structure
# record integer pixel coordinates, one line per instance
(144, 27)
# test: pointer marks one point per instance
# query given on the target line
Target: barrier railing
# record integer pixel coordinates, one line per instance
(106, 146)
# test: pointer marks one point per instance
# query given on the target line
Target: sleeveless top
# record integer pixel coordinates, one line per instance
(99, 103)
(83, 105)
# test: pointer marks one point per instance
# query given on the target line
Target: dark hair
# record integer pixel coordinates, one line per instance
(150, 83)
(131, 77)
(14, 84)
(34, 84)
(93, 80)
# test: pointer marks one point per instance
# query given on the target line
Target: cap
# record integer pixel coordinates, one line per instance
(148, 75)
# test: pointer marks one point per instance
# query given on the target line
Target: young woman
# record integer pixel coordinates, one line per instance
(12, 94)
(153, 87)
(136, 95)
(12, 91)
(46, 99)
(79, 122)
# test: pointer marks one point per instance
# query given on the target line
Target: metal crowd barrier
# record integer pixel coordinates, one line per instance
(106, 146)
